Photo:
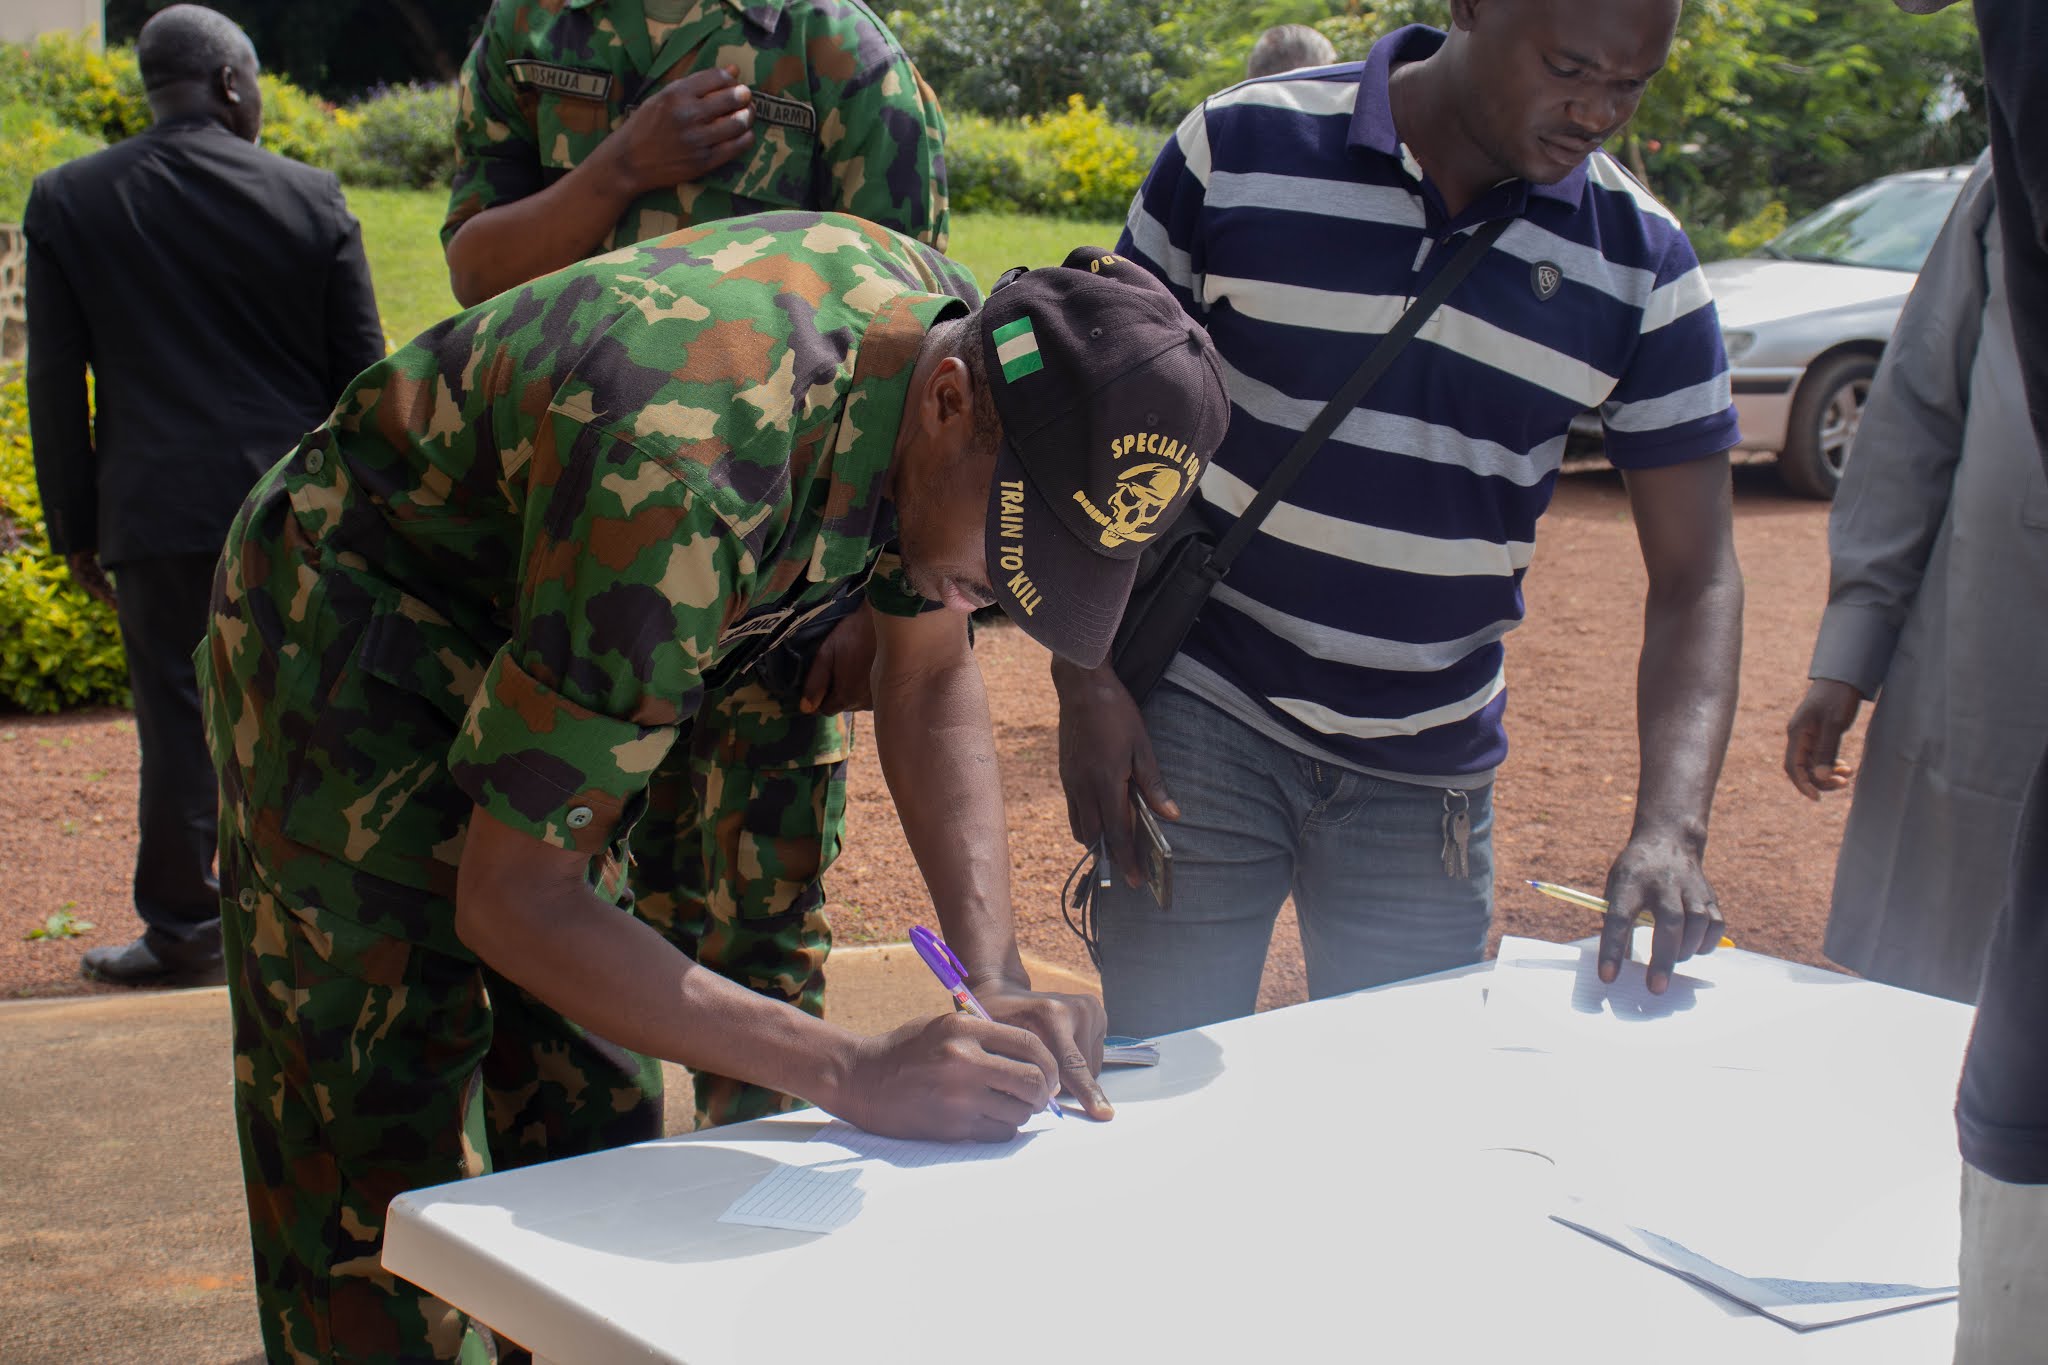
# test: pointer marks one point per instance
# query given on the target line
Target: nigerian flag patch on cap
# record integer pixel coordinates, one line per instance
(1017, 349)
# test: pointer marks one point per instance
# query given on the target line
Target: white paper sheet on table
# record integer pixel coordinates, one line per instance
(1548, 997)
(1663, 1123)
(1796, 1302)
(1855, 1214)
(843, 1164)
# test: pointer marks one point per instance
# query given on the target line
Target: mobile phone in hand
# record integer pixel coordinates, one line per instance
(1155, 854)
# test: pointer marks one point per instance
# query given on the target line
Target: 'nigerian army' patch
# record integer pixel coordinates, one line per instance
(563, 80)
(785, 112)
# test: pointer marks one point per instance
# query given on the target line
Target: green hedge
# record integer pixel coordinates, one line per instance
(1073, 164)
(59, 99)
(32, 141)
(58, 646)
(401, 136)
(99, 94)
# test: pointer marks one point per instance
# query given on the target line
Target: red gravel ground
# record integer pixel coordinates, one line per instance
(67, 784)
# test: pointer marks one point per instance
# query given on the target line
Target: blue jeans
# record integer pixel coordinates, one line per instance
(1363, 857)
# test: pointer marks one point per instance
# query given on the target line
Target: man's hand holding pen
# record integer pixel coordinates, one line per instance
(1661, 878)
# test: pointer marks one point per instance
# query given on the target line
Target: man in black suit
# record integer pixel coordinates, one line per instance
(219, 295)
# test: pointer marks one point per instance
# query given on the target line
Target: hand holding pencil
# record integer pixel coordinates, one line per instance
(1701, 932)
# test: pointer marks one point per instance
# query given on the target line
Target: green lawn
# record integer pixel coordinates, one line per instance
(401, 233)
(990, 243)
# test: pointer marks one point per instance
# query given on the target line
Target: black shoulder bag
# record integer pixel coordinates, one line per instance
(1175, 576)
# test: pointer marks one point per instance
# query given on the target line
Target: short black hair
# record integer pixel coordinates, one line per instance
(972, 351)
(963, 339)
(189, 43)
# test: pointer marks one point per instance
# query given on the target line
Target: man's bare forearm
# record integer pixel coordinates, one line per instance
(1686, 688)
(504, 247)
(618, 977)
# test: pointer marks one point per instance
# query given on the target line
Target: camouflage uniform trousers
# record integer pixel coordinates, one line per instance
(744, 817)
(366, 1065)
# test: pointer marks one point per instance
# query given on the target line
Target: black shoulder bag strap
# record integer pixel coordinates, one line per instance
(1345, 399)
(1178, 573)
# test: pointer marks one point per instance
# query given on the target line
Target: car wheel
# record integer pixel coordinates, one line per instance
(1825, 415)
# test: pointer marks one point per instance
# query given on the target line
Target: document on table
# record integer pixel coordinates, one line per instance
(1556, 983)
(1813, 1199)
(826, 1189)
(1548, 997)
(1845, 1212)
(1799, 1303)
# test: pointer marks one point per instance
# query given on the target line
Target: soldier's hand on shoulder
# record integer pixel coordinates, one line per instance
(684, 131)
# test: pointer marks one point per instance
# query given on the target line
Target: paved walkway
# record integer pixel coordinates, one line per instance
(121, 1232)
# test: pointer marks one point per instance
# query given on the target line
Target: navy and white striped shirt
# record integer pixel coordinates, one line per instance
(1364, 622)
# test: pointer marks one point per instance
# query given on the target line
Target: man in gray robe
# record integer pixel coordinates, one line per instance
(1939, 543)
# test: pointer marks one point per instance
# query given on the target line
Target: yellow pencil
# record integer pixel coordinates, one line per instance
(1586, 900)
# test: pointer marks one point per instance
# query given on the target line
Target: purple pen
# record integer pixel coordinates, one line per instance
(953, 976)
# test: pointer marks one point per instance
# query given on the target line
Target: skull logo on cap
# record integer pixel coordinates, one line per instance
(1142, 493)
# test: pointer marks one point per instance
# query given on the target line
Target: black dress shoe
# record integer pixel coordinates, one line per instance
(138, 964)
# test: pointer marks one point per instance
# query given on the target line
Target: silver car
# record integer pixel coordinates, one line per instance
(1806, 319)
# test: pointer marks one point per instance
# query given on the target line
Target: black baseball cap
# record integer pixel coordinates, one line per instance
(1112, 404)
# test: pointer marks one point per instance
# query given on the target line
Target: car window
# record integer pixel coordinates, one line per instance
(1890, 225)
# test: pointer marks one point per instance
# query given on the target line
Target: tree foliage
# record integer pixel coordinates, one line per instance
(1766, 106)
(1764, 102)
(1796, 101)
(1008, 58)
(339, 48)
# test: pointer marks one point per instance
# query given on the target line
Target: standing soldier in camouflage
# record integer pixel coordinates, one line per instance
(589, 126)
(459, 627)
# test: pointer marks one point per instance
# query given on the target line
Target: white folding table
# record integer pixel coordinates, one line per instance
(1366, 1178)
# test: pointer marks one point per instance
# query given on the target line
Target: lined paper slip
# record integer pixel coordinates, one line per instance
(844, 1164)
(907, 1153)
(800, 1199)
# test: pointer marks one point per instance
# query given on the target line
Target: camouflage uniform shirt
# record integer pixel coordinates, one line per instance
(841, 117)
(508, 566)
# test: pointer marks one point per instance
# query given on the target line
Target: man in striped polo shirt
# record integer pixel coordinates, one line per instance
(1333, 723)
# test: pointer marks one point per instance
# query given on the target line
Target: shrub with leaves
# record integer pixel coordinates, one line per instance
(298, 125)
(992, 166)
(1099, 165)
(401, 137)
(58, 646)
(1075, 164)
(99, 93)
(31, 142)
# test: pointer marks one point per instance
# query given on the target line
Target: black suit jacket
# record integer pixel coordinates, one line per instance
(220, 296)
